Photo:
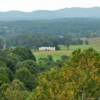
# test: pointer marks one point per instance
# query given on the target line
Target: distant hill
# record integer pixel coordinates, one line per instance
(43, 14)
(73, 26)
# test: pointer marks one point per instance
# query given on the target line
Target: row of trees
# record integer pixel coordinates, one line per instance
(74, 26)
(34, 41)
(72, 78)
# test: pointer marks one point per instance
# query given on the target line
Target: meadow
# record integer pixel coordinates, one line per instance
(64, 50)
(95, 43)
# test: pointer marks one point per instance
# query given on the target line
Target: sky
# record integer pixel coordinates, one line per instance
(32, 5)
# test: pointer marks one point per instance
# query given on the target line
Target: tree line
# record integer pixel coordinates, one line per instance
(48, 32)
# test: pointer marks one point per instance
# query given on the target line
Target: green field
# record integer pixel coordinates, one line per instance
(93, 42)
(55, 54)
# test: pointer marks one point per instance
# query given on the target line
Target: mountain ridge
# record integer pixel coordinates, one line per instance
(74, 12)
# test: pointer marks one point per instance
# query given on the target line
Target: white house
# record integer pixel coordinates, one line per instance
(47, 48)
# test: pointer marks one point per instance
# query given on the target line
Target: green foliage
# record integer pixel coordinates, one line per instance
(31, 65)
(58, 84)
(16, 91)
(25, 76)
(11, 60)
(24, 53)
(78, 79)
(3, 64)
(64, 57)
(32, 34)
(88, 59)
(3, 89)
(46, 63)
(4, 76)
(2, 42)
(74, 77)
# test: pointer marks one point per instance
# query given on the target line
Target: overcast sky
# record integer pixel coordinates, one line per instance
(31, 5)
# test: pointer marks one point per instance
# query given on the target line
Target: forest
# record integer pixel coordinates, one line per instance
(36, 33)
(74, 77)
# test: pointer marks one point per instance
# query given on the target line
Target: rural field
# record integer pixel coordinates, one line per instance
(92, 43)
(55, 54)
(95, 43)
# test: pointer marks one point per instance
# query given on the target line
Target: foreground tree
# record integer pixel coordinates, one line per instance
(16, 91)
(24, 53)
(25, 76)
(4, 76)
(3, 89)
(58, 84)
(29, 64)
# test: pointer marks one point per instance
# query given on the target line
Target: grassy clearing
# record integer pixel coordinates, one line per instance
(55, 54)
(74, 47)
(93, 42)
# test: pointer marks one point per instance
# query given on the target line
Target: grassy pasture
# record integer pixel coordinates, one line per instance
(55, 54)
(93, 42)
(74, 47)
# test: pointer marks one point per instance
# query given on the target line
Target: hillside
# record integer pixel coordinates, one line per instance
(72, 26)
(56, 14)
(48, 32)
